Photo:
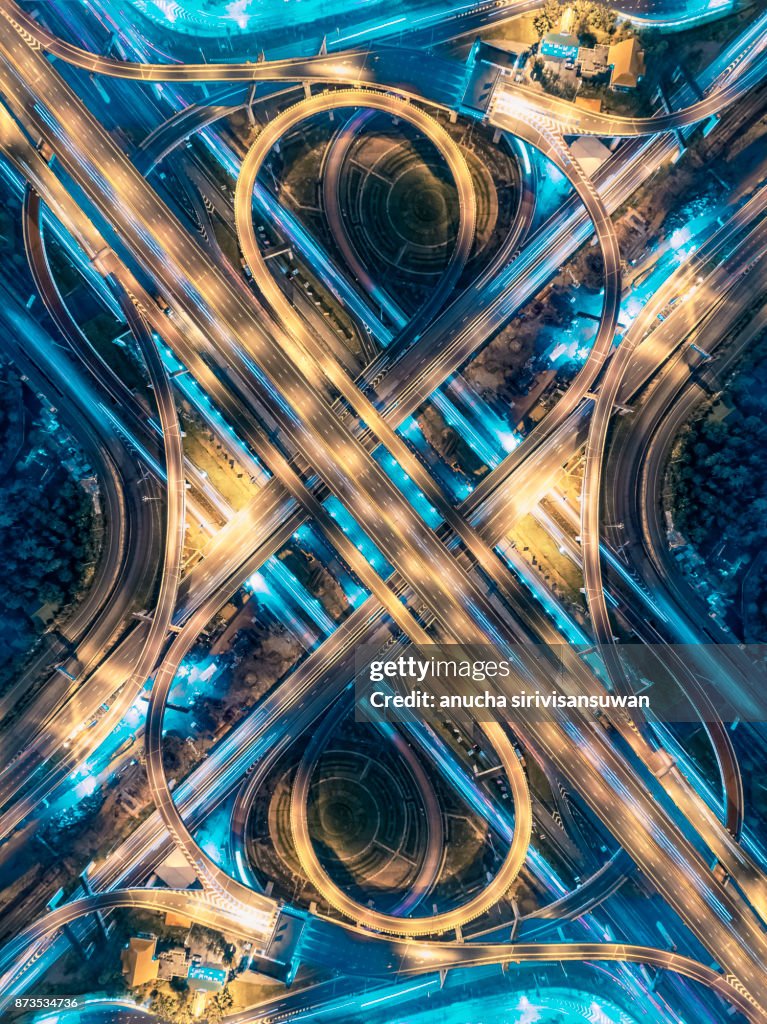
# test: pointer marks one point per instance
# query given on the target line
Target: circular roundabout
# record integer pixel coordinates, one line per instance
(374, 815)
(439, 923)
(400, 204)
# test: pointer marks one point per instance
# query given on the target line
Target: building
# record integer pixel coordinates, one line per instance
(138, 960)
(174, 963)
(559, 46)
(590, 153)
(176, 872)
(503, 54)
(587, 103)
(174, 920)
(627, 61)
(207, 977)
(729, 555)
(593, 61)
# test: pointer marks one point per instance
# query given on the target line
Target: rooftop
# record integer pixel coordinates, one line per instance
(627, 59)
(138, 961)
(559, 43)
(588, 103)
(590, 153)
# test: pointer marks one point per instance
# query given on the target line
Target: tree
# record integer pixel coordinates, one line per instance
(721, 475)
(220, 1005)
(44, 542)
(545, 20)
(163, 1006)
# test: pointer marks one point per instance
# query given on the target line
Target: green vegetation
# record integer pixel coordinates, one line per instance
(721, 475)
(43, 544)
(316, 578)
(175, 1007)
(596, 19)
(552, 83)
(547, 17)
(230, 478)
(45, 528)
(124, 358)
(591, 24)
(101, 970)
(408, 211)
(695, 47)
(219, 1005)
(755, 604)
(720, 486)
(11, 421)
(449, 443)
(11, 242)
(423, 206)
(497, 371)
(591, 21)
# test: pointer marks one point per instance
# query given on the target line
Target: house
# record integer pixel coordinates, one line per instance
(174, 963)
(138, 960)
(593, 60)
(559, 46)
(627, 61)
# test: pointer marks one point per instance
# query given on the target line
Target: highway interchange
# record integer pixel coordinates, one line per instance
(263, 360)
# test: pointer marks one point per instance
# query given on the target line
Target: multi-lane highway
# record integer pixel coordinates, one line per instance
(319, 428)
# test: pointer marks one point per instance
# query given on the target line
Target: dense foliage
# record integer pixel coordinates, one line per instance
(43, 543)
(720, 483)
(721, 475)
(45, 532)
